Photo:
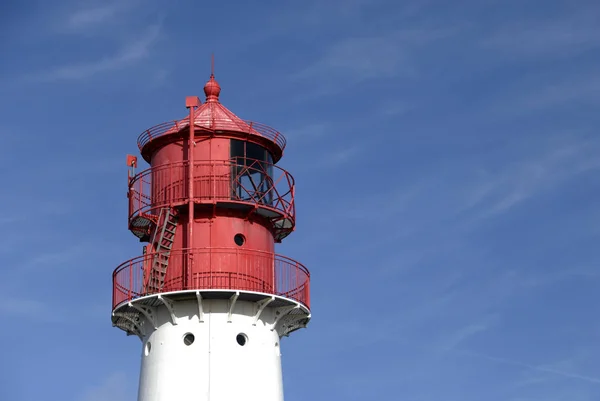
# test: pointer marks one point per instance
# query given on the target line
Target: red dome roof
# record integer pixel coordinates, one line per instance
(212, 115)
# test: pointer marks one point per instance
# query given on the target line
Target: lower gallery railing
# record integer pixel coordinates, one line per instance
(212, 268)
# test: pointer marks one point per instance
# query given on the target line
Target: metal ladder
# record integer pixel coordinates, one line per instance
(162, 240)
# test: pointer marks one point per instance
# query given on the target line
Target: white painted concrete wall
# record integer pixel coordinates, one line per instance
(215, 367)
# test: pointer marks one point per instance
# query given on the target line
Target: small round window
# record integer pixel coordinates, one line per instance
(188, 339)
(239, 239)
(241, 339)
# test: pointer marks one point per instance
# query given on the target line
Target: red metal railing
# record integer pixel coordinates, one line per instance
(215, 269)
(238, 179)
(241, 126)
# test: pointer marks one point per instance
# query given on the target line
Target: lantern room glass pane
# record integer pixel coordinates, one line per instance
(237, 148)
(252, 173)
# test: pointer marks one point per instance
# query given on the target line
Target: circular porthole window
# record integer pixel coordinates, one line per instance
(239, 239)
(241, 339)
(188, 339)
(147, 348)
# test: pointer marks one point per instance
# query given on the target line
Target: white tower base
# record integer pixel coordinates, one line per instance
(211, 345)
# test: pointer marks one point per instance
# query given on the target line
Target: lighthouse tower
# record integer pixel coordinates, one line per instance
(209, 298)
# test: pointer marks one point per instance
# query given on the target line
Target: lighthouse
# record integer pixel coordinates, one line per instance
(209, 297)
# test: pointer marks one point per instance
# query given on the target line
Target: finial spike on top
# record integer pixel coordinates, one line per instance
(212, 88)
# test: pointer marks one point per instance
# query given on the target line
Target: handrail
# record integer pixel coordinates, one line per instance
(239, 179)
(241, 126)
(215, 269)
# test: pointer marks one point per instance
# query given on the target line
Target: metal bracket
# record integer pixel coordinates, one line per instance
(200, 311)
(232, 302)
(137, 330)
(261, 306)
(283, 311)
(148, 312)
(170, 306)
(252, 210)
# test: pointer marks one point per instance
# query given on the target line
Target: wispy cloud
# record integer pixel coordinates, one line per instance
(455, 298)
(453, 204)
(342, 155)
(538, 368)
(114, 388)
(582, 88)
(555, 38)
(315, 16)
(94, 15)
(453, 340)
(361, 58)
(552, 277)
(308, 132)
(57, 258)
(57, 254)
(318, 14)
(395, 108)
(334, 158)
(521, 180)
(130, 53)
(28, 308)
(103, 36)
(101, 17)
(7, 220)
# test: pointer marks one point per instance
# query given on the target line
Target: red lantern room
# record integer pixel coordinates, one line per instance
(211, 207)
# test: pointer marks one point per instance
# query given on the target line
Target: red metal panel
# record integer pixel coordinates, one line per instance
(132, 161)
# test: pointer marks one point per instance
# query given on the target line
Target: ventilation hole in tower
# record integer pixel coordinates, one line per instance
(241, 339)
(148, 348)
(239, 239)
(188, 339)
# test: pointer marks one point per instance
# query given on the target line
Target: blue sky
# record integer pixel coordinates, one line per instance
(447, 163)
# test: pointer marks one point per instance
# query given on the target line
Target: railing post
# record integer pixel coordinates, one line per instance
(274, 273)
(130, 200)
(130, 282)
(208, 279)
(140, 193)
(296, 280)
(169, 190)
(212, 181)
(237, 265)
(190, 269)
